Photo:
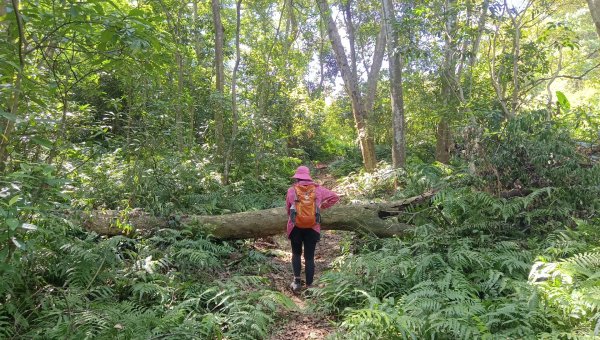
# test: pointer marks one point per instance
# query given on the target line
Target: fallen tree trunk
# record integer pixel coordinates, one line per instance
(374, 218)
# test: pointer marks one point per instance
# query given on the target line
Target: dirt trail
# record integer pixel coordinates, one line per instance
(300, 324)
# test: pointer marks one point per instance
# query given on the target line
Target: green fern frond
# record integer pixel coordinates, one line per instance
(585, 261)
(458, 328)
(427, 264)
(494, 285)
(463, 258)
(6, 329)
(463, 309)
(103, 293)
(247, 281)
(194, 259)
(273, 300)
(151, 291)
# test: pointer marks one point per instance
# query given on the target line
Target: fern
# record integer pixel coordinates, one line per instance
(456, 328)
(586, 263)
(5, 327)
(382, 319)
(463, 258)
(493, 285)
(147, 292)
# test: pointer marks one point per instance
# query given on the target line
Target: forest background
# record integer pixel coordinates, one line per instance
(206, 108)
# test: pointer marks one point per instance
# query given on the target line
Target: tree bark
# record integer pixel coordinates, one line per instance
(372, 78)
(514, 103)
(220, 77)
(443, 141)
(179, 106)
(376, 218)
(13, 103)
(197, 37)
(367, 144)
(234, 112)
(449, 86)
(395, 61)
(594, 6)
(351, 37)
(454, 66)
(481, 22)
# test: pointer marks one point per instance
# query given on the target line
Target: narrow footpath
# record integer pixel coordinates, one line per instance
(301, 324)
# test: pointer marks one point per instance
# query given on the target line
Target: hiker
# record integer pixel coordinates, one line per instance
(304, 201)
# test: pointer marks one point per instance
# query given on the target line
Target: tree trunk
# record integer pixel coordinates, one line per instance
(367, 144)
(514, 103)
(197, 36)
(13, 103)
(443, 141)
(476, 43)
(594, 6)
(448, 82)
(373, 76)
(377, 219)
(395, 61)
(351, 37)
(179, 107)
(234, 111)
(220, 77)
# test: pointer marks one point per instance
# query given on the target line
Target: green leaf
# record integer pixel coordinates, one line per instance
(99, 9)
(13, 64)
(3, 255)
(13, 223)
(14, 200)
(42, 141)
(107, 36)
(136, 12)
(8, 116)
(563, 101)
(74, 10)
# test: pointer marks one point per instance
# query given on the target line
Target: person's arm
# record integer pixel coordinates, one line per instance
(328, 197)
(289, 199)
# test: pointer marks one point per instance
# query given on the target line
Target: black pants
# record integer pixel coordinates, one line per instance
(308, 238)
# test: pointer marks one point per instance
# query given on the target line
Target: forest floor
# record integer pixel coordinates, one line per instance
(303, 323)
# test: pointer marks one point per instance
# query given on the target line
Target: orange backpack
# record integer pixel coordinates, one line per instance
(304, 211)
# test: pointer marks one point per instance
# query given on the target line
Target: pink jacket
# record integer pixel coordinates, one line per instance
(325, 199)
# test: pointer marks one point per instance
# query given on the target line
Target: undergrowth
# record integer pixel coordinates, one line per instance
(509, 251)
(168, 286)
(507, 248)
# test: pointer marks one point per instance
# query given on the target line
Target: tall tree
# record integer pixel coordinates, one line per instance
(234, 108)
(220, 78)
(459, 52)
(395, 62)
(176, 29)
(360, 106)
(14, 96)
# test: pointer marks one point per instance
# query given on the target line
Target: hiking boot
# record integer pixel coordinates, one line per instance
(295, 286)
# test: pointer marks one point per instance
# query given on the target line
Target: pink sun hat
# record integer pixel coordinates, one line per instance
(302, 173)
